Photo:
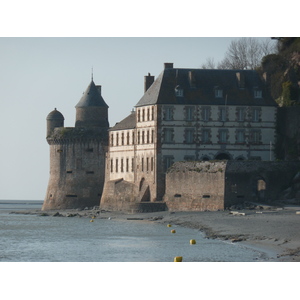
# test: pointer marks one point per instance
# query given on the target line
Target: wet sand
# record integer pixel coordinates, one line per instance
(274, 230)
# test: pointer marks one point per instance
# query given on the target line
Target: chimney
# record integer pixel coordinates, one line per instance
(99, 89)
(241, 79)
(168, 65)
(148, 81)
(265, 77)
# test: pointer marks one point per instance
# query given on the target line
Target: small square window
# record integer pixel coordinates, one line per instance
(257, 94)
(218, 93)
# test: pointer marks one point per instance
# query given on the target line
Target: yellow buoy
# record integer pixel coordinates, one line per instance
(178, 259)
(192, 242)
(92, 220)
(173, 231)
(169, 225)
(93, 217)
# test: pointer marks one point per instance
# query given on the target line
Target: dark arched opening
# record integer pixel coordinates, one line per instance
(222, 156)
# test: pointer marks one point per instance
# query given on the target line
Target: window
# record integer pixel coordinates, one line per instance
(143, 137)
(255, 114)
(139, 115)
(152, 136)
(189, 113)
(189, 136)
(240, 114)
(132, 164)
(218, 93)
(257, 93)
(142, 164)
(205, 136)
(122, 138)
(127, 165)
(112, 139)
(240, 136)
(122, 165)
(168, 161)
(117, 165)
(178, 91)
(117, 140)
(152, 163)
(138, 137)
(127, 138)
(133, 138)
(152, 114)
(143, 115)
(222, 114)
(168, 135)
(168, 113)
(255, 136)
(222, 136)
(148, 114)
(205, 113)
(148, 136)
(147, 164)
(111, 165)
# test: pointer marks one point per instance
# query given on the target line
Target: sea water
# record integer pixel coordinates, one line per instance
(35, 238)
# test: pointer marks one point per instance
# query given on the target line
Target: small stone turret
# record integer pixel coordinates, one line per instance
(54, 119)
(77, 154)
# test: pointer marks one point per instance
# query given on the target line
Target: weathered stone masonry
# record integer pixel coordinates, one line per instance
(216, 185)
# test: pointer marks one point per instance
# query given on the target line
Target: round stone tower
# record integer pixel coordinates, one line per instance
(77, 154)
(54, 119)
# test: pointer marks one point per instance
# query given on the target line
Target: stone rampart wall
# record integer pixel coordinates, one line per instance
(195, 186)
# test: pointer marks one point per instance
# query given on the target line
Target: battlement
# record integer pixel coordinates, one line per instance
(62, 135)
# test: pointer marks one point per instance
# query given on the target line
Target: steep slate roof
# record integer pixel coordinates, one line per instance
(91, 97)
(201, 90)
(128, 123)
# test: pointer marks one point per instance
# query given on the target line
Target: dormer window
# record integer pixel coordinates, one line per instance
(257, 93)
(178, 91)
(218, 93)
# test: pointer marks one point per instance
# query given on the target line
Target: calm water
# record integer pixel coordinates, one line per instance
(32, 238)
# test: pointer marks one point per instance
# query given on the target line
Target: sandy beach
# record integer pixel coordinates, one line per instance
(272, 229)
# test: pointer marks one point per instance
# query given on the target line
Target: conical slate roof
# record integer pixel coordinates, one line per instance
(55, 115)
(91, 97)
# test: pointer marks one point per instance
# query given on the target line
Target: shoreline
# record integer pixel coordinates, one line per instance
(271, 230)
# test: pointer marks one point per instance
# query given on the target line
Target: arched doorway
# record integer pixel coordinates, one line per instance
(261, 187)
(223, 156)
(205, 158)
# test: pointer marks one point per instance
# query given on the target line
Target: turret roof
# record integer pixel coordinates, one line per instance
(55, 115)
(91, 97)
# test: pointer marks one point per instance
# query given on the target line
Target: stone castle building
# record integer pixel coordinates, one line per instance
(186, 115)
(77, 154)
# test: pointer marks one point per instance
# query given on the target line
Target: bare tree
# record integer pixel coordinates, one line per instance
(246, 53)
(209, 64)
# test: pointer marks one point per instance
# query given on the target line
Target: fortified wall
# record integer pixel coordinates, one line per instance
(77, 157)
(121, 195)
(216, 185)
(77, 154)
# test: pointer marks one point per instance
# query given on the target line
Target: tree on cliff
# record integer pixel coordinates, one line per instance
(283, 71)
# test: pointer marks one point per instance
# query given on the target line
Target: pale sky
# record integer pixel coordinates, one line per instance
(47, 54)
(40, 74)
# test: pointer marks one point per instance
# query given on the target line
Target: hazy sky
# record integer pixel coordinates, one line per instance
(40, 74)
